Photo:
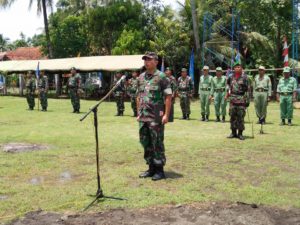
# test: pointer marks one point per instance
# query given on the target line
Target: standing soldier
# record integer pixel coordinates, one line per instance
(173, 84)
(132, 91)
(238, 94)
(43, 89)
(205, 93)
(154, 104)
(286, 94)
(185, 92)
(30, 89)
(262, 88)
(219, 90)
(119, 93)
(74, 89)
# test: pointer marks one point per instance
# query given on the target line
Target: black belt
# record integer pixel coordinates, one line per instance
(286, 93)
(261, 90)
(205, 89)
(220, 90)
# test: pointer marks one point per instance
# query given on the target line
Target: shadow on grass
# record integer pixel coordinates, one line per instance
(173, 175)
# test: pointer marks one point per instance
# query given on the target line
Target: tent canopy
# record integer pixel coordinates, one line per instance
(88, 64)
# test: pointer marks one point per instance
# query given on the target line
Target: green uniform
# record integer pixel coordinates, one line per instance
(173, 84)
(205, 91)
(30, 89)
(74, 86)
(152, 89)
(43, 89)
(119, 94)
(132, 92)
(185, 90)
(262, 88)
(219, 90)
(239, 100)
(286, 88)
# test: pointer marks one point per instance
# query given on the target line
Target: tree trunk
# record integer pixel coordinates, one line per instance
(49, 46)
(195, 28)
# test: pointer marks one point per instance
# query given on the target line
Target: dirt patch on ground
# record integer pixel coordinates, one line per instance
(23, 147)
(200, 214)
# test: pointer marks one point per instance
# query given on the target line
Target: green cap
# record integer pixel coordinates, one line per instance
(287, 69)
(219, 69)
(205, 68)
(150, 55)
(168, 68)
(237, 63)
(183, 70)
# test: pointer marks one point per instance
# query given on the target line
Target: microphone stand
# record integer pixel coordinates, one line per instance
(99, 194)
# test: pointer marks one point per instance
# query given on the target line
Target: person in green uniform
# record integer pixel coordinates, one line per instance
(286, 95)
(219, 91)
(30, 90)
(185, 93)
(262, 88)
(154, 104)
(43, 90)
(74, 84)
(132, 91)
(205, 93)
(173, 84)
(119, 94)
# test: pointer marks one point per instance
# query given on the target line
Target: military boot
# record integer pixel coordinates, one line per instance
(233, 134)
(183, 117)
(218, 119)
(206, 118)
(282, 122)
(240, 135)
(159, 173)
(118, 113)
(135, 114)
(121, 113)
(223, 119)
(203, 118)
(188, 116)
(148, 173)
(289, 122)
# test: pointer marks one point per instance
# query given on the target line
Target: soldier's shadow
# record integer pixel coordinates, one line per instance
(173, 175)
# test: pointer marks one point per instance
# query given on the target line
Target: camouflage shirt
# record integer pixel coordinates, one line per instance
(120, 90)
(152, 89)
(30, 85)
(43, 83)
(173, 84)
(185, 86)
(239, 90)
(132, 87)
(74, 81)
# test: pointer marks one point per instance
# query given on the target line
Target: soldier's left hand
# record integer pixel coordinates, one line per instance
(165, 119)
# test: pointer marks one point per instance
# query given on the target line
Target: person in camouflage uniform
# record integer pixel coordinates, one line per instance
(262, 88)
(219, 90)
(173, 84)
(132, 91)
(154, 104)
(238, 94)
(185, 93)
(286, 95)
(205, 93)
(74, 84)
(30, 90)
(43, 89)
(119, 93)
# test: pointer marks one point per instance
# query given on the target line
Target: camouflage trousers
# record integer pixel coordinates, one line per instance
(43, 99)
(185, 104)
(152, 139)
(75, 100)
(237, 115)
(133, 104)
(120, 103)
(30, 100)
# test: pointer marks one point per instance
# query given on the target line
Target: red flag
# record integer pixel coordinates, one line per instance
(285, 53)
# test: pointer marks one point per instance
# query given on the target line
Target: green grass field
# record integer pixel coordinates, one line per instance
(202, 164)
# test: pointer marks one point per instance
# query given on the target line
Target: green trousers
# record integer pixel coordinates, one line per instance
(237, 115)
(43, 99)
(120, 103)
(220, 103)
(75, 100)
(261, 103)
(286, 107)
(133, 104)
(30, 100)
(185, 104)
(204, 102)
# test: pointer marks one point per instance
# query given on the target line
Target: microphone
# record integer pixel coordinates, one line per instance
(121, 79)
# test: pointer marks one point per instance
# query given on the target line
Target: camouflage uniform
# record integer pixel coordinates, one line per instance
(30, 89)
(173, 85)
(132, 92)
(43, 89)
(239, 101)
(185, 90)
(119, 94)
(74, 86)
(151, 92)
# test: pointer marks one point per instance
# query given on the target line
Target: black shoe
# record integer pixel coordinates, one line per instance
(289, 122)
(135, 114)
(258, 121)
(183, 117)
(74, 111)
(206, 119)
(188, 116)
(233, 134)
(240, 135)
(203, 118)
(263, 121)
(118, 114)
(218, 119)
(223, 119)
(159, 174)
(282, 122)
(77, 111)
(149, 173)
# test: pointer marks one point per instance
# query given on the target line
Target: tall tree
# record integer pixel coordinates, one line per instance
(41, 7)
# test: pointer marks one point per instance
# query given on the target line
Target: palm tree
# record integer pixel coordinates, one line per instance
(41, 7)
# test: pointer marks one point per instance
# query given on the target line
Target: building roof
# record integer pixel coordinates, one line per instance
(22, 53)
